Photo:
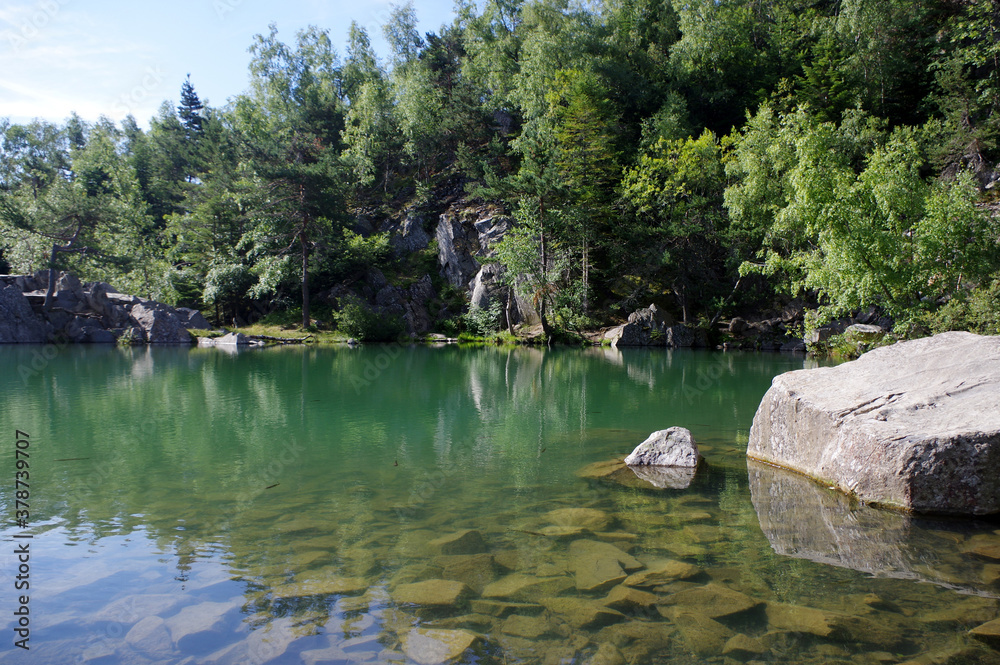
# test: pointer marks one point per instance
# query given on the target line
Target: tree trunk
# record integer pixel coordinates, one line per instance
(510, 303)
(47, 304)
(546, 328)
(305, 280)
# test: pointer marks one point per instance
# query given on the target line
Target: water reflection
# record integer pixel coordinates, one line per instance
(290, 504)
(805, 520)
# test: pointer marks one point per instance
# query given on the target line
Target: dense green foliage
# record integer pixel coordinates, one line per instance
(714, 157)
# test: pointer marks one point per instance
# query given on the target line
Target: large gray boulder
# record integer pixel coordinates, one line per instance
(915, 425)
(673, 446)
(18, 323)
(160, 323)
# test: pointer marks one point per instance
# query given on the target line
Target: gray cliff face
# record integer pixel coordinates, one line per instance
(18, 322)
(467, 239)
(87, 313)
(915, 425)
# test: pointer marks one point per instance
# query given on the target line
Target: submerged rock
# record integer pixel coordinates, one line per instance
(432, 592)
(713, 600)
(518, 586)
(433, 646)
(469, 541)
(663, 572)
(585, 518)
(599, 566)
(668, 447)
(914, 425)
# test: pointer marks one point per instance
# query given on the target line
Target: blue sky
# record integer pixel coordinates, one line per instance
(110, 57)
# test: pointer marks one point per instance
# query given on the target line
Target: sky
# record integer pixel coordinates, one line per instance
(115, 57)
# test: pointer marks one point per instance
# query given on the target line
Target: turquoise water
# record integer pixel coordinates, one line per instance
(393, 505)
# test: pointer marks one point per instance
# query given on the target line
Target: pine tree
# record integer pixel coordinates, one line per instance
(190, 109)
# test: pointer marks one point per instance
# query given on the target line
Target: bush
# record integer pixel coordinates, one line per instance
(356, 319)
(482, 322)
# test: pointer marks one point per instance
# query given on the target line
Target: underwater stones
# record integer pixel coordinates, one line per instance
(434, 646)
(702, 635)
(796, 618)
(321, 586)
(559, 532)
(623, 599)
(597, 574)
(138, 605)
(531, 627)
(502, 609)
(195, 623)
(518, 586)
(599, 566)
(581, 613)
(599, 470)
(672, 447)
(476, 570)
(967, 611)
(988, 633)
(432, 593)
(606, 654)
(713, 600)
(743, 647)
(833, 626)
(586, 518)
(150, 636)
(469, 541)
(663, 571)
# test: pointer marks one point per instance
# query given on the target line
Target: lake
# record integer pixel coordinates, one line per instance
(390, 504)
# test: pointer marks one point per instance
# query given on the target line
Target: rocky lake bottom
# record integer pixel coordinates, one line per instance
(290, 506)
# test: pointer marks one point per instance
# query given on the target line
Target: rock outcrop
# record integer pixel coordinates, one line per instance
(467, 238)
(17, 322)
(87, 313)
(651, 326)
(915, 425)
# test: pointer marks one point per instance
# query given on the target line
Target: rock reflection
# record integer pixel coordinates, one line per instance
(665, 477)
(805, 520)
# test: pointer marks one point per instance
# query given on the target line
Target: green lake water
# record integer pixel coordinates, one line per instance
(398, 505)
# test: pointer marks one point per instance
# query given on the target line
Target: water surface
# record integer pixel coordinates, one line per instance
(390, 505)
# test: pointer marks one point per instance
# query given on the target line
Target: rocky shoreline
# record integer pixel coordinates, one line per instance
(88, 313)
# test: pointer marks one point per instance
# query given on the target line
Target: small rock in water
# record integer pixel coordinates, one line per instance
(714, 601)
(524, 626)
(663, 572)
(430, 646)
(607, 654)
(587, 518)
(668, 447)
(469, 541)
(432, 592)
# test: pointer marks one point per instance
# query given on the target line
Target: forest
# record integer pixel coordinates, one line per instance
(719, 157)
